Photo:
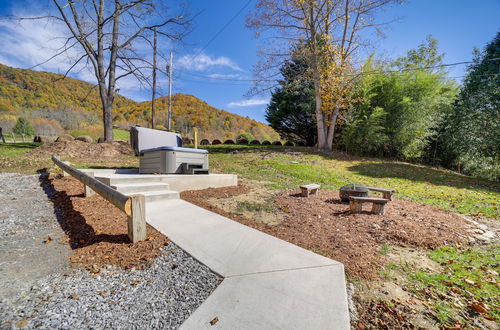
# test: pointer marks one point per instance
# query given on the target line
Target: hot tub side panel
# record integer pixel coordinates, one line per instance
(152, 162)
(170, 162)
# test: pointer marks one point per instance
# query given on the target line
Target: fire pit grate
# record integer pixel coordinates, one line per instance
(349, 190)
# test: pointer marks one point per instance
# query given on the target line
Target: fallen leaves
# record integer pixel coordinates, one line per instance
(21, 323)
(48, 240)
(214, 320)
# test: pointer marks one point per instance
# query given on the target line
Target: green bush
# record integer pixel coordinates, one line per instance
(23, 127)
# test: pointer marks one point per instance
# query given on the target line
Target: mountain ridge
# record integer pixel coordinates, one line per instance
(27, 92)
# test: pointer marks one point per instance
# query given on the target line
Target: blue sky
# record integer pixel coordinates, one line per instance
(458, 25)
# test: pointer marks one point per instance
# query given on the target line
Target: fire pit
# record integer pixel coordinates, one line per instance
(349, 190)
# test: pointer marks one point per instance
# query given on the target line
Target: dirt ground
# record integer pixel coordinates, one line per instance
(97, 231)
(79, 149)
(321, 223)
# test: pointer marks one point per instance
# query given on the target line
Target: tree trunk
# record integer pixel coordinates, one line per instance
(108, 121)
(320, 118)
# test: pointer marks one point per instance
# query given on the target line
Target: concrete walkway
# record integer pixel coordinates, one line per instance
(268, 283)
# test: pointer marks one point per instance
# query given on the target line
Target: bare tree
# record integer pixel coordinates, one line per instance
(330, 31)
(110, 37)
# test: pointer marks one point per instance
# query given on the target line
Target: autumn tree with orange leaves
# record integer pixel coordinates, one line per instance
(330, 31)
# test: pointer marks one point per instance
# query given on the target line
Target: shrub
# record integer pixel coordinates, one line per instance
(23, 127)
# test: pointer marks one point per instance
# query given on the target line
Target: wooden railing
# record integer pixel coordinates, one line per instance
(133, 206)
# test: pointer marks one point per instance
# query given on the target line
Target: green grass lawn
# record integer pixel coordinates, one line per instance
(120, 134)
(285, 170)
(465, 286)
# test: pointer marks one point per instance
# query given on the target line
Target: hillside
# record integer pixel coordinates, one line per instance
(43, 94)
(22, 89)
(189, 111)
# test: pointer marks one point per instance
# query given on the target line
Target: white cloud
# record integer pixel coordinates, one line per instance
(248, 103)
(223, 76)
(28, 43)
(203, 62)
(31, 43)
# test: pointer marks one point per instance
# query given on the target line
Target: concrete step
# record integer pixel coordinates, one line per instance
(130, 188)
(113, 179)
(160, 195)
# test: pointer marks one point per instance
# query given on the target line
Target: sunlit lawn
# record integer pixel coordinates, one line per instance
(287, 170)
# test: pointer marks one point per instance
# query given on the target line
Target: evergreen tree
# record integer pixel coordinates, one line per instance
(292, 107)
(472, 132)
(23, 127)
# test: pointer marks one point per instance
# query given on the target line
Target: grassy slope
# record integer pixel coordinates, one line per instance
(441, 188)
(285, 170)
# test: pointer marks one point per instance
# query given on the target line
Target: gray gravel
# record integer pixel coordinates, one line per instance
(161, 296)
(27, 219)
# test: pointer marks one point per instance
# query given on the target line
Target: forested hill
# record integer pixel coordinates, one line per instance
(189, 111)
(22, 91)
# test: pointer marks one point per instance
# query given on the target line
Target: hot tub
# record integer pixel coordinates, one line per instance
(173, 160)
(162, 152)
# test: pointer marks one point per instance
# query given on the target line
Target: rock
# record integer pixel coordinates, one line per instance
(482, 227)
(100, 140)
(45, 139)
(64, 137)
(486, 236)
(85, 138)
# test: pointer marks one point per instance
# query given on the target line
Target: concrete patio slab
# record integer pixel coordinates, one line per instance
(177, 182)
(311, 298)
(268, 283)
(226, 246)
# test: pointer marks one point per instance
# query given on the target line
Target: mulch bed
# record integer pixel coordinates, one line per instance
(321, 223)
(79, 149)
(97, 231)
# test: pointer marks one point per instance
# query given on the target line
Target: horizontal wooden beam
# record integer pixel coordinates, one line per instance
(115, 197)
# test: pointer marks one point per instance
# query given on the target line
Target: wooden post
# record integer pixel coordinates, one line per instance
(89, 192)
(378, 208)
(195, 137)
(137, 219)
(356, 207)
(65, 173)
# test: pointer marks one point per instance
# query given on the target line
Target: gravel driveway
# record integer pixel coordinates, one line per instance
(39, 288)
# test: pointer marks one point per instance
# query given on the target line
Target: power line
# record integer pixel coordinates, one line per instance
(349, 75)
(223, 28)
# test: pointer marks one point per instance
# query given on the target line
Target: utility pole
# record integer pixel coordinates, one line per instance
(169, 125)
(154, 83)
